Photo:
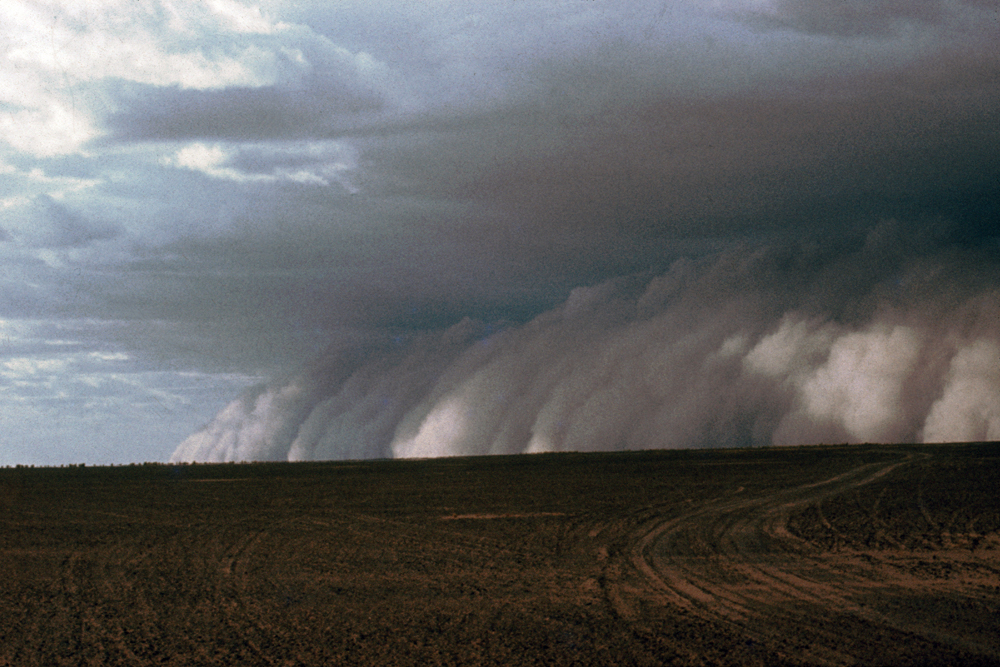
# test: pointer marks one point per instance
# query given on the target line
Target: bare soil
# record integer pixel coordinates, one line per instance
(861, 555)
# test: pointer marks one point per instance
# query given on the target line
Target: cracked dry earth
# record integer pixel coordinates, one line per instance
(866, 555)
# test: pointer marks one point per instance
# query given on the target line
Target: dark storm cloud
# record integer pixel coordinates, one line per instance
(500, 214)
(879, 18)
(588, 193)
(238, 114)
(614, 161)
(909, 143)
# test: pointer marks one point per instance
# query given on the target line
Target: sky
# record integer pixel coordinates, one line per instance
(290, 230)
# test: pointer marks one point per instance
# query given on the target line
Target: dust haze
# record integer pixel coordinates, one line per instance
(887, 338)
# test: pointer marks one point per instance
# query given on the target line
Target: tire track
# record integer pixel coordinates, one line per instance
(733, 562)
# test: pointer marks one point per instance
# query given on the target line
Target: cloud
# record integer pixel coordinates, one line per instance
(312, 163)
(855, 18)
(315, 89)
(47, 223)
(72, 391)
(614, 183)
(63, 62)
(69, 229)
(156, 42)
(712, 353)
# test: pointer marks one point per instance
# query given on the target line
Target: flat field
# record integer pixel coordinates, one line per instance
(868, 555)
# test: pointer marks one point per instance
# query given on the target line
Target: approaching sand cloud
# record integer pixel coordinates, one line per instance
(969, 408)
(857, 389)
(750, 346)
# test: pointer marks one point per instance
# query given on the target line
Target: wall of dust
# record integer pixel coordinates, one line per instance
(887, 339)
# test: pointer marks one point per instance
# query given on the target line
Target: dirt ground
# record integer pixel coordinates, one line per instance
(866, 555)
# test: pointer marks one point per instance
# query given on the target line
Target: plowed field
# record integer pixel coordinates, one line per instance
(867, 555)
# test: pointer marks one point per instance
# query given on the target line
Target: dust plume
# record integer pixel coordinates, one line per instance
(890, 338)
